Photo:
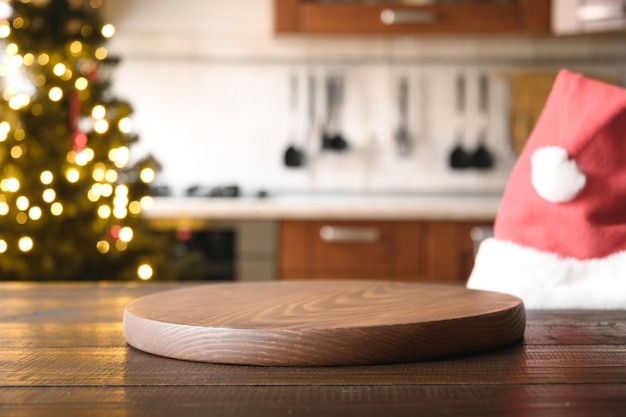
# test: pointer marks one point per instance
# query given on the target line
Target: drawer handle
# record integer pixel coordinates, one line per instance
(349, 234)
(399, 17)
(598, 12)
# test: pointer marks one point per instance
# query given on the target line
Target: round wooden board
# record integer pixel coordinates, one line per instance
(321, 323)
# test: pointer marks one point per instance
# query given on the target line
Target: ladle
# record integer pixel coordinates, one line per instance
(482, 157)
(402, 135)
(332, 138)
(294, 156)
(459, 157)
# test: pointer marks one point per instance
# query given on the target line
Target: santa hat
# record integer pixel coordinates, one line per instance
(560, 232)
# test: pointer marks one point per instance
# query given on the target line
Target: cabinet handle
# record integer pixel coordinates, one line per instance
(597, 12)
(349, 234)
(398, 17)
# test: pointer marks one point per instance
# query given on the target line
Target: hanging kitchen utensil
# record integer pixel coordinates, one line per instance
(332, 138)
(402, 135)
(482, 157)
(294, 156)
(459, 157)
(311, 108)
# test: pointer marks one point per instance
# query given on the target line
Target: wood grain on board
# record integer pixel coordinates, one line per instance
(321, 322)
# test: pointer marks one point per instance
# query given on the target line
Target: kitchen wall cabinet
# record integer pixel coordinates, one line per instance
(439, 251)
(328, 17)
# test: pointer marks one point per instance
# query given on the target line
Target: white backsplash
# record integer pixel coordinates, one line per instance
(209, 83)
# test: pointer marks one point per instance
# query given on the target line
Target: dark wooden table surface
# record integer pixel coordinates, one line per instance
(63, 353)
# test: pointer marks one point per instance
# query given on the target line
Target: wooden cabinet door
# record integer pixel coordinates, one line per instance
(301, 16)
(438, 251)
(449, 250)
(350, 250)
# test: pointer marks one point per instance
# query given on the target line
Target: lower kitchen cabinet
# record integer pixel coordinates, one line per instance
(439, 251)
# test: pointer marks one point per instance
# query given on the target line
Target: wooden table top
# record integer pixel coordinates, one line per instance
(63, 352)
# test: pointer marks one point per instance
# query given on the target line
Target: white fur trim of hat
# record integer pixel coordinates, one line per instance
(544, 280)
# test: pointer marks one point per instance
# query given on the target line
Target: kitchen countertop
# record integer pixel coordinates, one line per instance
(341, 207)
(63, 353)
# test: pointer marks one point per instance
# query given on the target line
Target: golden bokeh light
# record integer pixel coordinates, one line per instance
(120, 245)
(120, 201)
(55, 94)
(11, 185)
(21, 217)
(56, 209)
(121, 189)
(76, 47)
(147, 175)
(19, 101)
(104, 212)
(84, 157)
(98, 172)
(22, 203)
(5, 126)
(35, 213)
(120, 212)
(29, 59)
(81, 83)
(12, 49)
(110, 176)
(125, 125)
(107, 190)
(5, 30)
(19, 134)
(18, 22)
(108, 30)
(25, 244)
(46, 177)
(72, 175)
(119, 156)
(134, 207)
(103, 246)
(147, 202)
(101, 53)
(98, 111)
(145, 272)
(101, 126)
(126, 234)
(59, 69)
(43, 59)
(49, 195)
(16, 152)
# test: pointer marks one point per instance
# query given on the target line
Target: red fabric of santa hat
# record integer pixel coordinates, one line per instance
(560, 232)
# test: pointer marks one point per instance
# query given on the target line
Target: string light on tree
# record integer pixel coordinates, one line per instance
(70, 199)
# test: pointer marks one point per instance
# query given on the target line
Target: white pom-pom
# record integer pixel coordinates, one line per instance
(554, 176)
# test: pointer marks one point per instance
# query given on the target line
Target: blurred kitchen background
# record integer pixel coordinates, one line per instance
(306, 139)
(220, 95)
(364, 139)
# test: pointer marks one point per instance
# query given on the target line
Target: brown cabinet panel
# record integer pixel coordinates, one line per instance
(356, 246)
(302, 16)
(399, 250)
(449, 252)
(295, 246)
(408, 248)
(351, 249)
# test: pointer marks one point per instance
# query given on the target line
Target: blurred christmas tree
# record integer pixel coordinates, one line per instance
(70, 199)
